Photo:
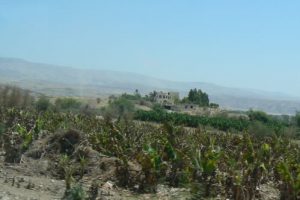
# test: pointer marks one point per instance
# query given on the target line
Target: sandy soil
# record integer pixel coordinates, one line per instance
(15, 185)
(37, 174)
(34, 179)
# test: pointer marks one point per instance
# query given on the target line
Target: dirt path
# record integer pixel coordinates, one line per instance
(15, 184)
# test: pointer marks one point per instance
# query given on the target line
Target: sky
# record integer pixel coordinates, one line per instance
(235, 43)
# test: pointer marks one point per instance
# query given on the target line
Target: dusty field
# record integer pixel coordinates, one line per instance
(17, 184)
(21, 182)
(36, 176)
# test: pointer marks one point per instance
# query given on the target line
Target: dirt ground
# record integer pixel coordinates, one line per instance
(37, 173)
(20, 183)
(37, 176)
(17, 182)
(14, 185)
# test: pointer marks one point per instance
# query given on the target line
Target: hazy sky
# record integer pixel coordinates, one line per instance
(242, 43)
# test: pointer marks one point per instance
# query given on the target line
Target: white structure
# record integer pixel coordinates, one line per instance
(166, 97)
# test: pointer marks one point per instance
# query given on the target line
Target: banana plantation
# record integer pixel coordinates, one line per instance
(209, 165)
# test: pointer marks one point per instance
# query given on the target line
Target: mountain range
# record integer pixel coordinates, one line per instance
(57, 80)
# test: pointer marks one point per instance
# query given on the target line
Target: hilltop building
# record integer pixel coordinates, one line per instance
(166, 97)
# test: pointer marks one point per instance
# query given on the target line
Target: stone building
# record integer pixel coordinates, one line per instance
(189, 106)
(166, 97)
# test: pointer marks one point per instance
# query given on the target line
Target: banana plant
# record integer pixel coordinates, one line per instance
(205, 162)
(27, 136)
(290, 187)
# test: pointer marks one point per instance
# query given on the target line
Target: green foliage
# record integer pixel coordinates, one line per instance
(158, 108)
(260, 129)
(68, 171)
(205, 163)
(130, 96)
(197, 97)
(136, 96)
(98, 100)
(43, 104)
(290, 176)
(258, 116)
(214, 105)
(25, 137)
(76, 193)
(221, 123)
(154, 157)
(11, 96)
(266, 124)
(67, 103)
(151, 96)
(120, 107)
(210, 163)
(2, 129)
(297, 119)
(83, 163)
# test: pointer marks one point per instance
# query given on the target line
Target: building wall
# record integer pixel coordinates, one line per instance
(166, 97)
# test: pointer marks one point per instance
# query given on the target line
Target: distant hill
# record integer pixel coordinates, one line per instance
(67, 81)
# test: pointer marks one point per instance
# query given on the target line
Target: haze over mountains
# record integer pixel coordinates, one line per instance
(67, 81)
